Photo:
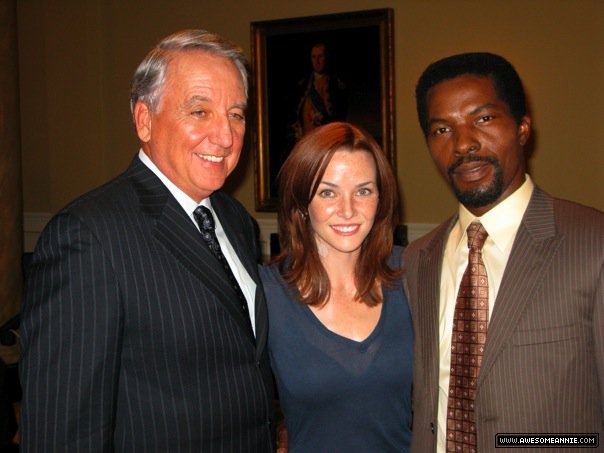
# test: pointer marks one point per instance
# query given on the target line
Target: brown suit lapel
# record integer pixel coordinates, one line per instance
(535, 245)
(427, 306)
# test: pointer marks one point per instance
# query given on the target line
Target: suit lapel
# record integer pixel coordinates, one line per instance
(429, 270)
(535, 245)
(175, 231)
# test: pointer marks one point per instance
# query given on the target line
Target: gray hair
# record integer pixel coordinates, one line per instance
(150, 75)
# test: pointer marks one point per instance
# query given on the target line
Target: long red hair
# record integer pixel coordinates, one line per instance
(299, 178)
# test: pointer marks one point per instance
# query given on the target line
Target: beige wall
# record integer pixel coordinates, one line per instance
(77, 57)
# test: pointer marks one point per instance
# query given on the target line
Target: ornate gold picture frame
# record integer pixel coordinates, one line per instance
(357, 52)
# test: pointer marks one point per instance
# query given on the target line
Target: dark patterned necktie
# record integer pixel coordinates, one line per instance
(470, 323)
(205, 220)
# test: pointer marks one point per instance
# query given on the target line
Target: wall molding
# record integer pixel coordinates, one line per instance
(34, 223)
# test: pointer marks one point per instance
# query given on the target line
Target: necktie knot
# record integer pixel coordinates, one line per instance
(476, 235)
(207, 227)
(204, 218)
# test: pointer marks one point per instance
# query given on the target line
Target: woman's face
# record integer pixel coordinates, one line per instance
(343, 209)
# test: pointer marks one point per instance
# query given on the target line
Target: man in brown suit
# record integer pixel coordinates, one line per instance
(542, 369)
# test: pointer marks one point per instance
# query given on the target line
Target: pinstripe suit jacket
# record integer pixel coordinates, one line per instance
(131, 337)
(543, 366)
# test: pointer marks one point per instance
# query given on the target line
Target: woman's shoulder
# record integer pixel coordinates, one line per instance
(269, 272)
(278, 294)
(395, 260)
(271, 278)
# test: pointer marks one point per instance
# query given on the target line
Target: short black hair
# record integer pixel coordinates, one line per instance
(506, 81)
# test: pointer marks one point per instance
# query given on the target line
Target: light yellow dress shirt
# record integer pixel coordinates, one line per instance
(501, 223)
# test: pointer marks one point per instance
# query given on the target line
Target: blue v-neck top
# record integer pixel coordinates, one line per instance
(337, 394)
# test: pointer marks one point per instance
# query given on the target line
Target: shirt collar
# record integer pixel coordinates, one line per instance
(187, 203)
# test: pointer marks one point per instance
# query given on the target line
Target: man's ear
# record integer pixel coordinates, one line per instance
(142, 121)
(524, 130)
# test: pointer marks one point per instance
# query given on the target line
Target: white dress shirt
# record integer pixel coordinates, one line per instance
(248, 286)
(502, 224)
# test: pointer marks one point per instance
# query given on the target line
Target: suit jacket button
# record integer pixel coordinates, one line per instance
(432, 427)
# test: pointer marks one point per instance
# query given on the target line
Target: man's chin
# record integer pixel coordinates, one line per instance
(477, 198)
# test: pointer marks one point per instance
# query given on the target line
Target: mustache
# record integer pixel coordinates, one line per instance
(470, 158)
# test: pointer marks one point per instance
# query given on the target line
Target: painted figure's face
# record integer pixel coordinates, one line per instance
(317, 57)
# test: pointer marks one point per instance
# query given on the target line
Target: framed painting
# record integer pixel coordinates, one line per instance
(314, 70)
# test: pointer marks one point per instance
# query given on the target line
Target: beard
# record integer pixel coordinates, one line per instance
(482, 195)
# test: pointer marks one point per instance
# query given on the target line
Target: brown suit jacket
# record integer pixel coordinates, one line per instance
(543, 367)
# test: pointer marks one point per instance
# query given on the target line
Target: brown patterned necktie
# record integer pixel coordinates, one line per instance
(207, 227)
(470, 323)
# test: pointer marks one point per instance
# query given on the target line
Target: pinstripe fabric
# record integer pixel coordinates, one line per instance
(132, 340)
(543, 367)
